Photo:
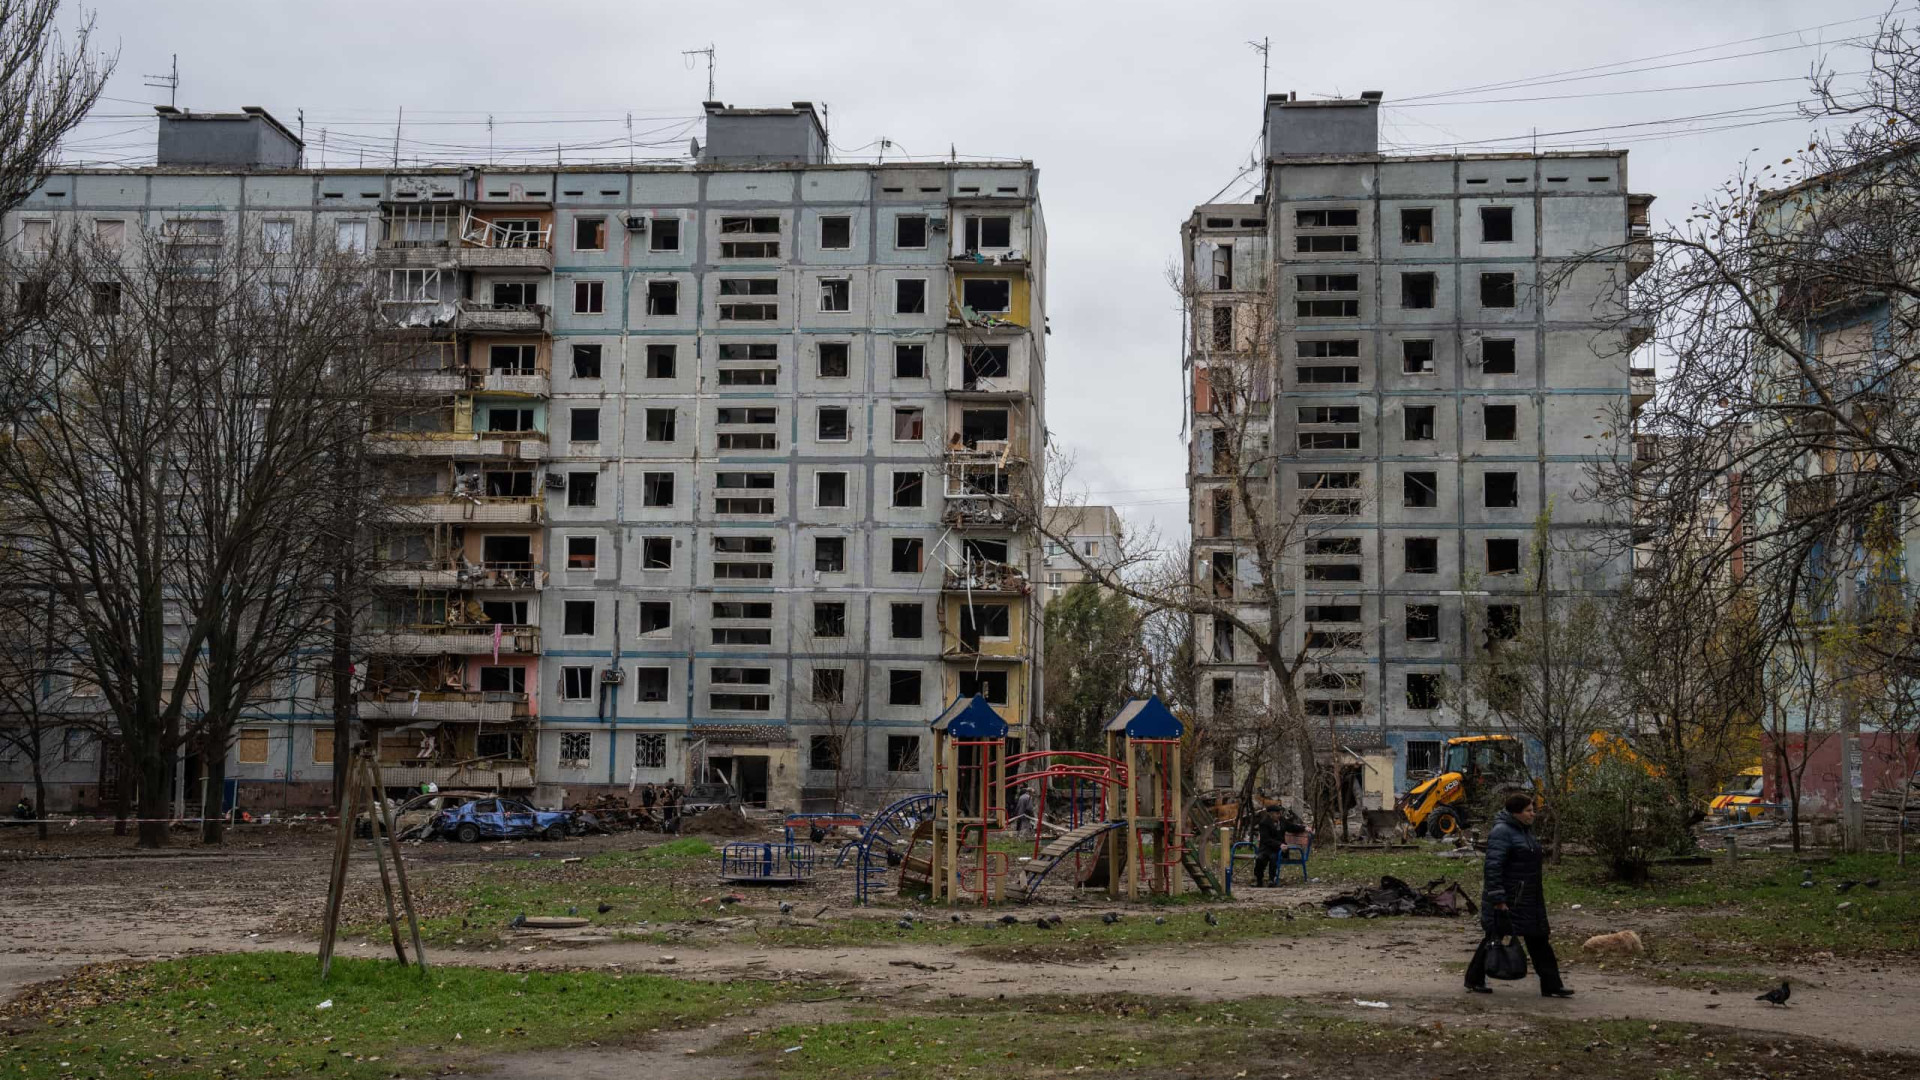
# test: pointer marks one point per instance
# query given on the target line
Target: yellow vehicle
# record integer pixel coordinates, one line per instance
(1474, 767)
(1744, 797)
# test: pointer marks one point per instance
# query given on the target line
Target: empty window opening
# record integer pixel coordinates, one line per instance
(989, 233)
(656, 553)
(987, 294)
(1334, 545)
(583, 552)
(656, 616)
(1497, 356)
(1419, 423)
(991, 685)
(584, 425)
(829, 619)
(513, 359)
(1326, 219)
(590, 234)
(903, 753)
(1223, 328)
(1423, 622)
(1501, 422)
(1422, 555)
(910, 296)
(586, 361)
(1325, 347)
(986, 362)
(836, 233)
(1420, 489)
(1308, 244)
(903, 687)
(836, 294)
(663, 298)
(1223, 266)
(1333, 639)
(1319, 373)
(1496, 224)
(1503, 622)
(665, 235)
(583, 488)
(1416, 226)
(756, 350)
(832, 423)
(1329, 440)
(509, 420)
(506, 551)
(910, 232)
(909, 424)
(750, 237)
(907, 555)
(1503, 556)
(656, 489)
(829, 688)
(831, 490)
(909, 489)
(660, 361)
(1496, 290)
(905, 622)
(1332, 572)
(909, 361)
(1416, 357)
(1417, 290)
(1423, 690)
(835, 359)
(1330, 414)
(661, 424)
(1333, 613)
(577, 616)
(830, 554)
(1503, 489)
(983, 425)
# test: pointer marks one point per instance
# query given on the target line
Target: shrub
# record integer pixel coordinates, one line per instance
(1626, 815)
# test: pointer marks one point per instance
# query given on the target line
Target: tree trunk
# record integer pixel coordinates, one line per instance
(123, 791)
(213, 765)
(40, 790)
(342, 684)
(156, 777)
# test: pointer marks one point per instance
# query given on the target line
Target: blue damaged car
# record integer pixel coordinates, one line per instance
(501, 819)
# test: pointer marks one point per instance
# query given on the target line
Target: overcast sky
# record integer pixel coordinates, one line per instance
(1133, 113)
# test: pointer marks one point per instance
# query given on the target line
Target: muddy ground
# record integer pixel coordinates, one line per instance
(89, 898)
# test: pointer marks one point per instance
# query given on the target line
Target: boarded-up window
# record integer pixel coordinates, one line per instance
(323, 746)
(253, 746)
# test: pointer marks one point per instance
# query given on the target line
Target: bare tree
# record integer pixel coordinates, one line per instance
(37, 705)
(45, 91)
(834, 705)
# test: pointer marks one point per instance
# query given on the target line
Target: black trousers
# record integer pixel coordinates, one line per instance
(1539, 951)
(1266, 866)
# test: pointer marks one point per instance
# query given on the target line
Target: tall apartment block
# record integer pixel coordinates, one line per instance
(701, 490)
(1426, 400)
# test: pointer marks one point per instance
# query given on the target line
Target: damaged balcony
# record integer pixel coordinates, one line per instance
(517, 239)
(477, 317)
(974, 576)
(467, 510)
(1646, 450)
(979, 488)
(422, 576)
(467, 706)
(1641, 383)
(514, 446)
(1639, 236)
(455, 639)
(989, 301)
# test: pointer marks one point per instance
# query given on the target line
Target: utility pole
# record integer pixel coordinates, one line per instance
(398, 119)
(1852, 828)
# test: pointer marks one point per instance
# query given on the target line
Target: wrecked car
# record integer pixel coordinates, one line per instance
(413, 819)
(501, 819)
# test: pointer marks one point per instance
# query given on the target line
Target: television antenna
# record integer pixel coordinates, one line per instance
(708, 53)
(169, 82)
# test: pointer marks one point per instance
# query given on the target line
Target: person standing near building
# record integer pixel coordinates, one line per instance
(1512, 901)
(1023, 813)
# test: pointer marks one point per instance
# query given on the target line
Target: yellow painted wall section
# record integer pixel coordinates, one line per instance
(1020, 301)
(1015, 709)
(1016, 642)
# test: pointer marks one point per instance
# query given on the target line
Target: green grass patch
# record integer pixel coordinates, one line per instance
(255, 1015)
(1080, 929)
(1266, 1037)
(638, 886)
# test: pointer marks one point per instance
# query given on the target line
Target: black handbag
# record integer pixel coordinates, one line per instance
(1506, 958)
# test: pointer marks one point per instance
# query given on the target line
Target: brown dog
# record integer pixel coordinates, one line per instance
(1623, 943)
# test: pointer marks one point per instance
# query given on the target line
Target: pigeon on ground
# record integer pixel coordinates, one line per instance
(519, 921)
(786, 908)
(1009, 920)
(1872, 883)
(905, 924)
(605, 907)
(1110, 918)
(1806, 879)
(1844, 886)
(1043, 924)
(1779, 996)
(1212, 919)
(573, 909)
(1159, 920)
(953, 918)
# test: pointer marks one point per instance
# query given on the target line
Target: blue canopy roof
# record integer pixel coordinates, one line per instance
(971, 718)
(1146, 718)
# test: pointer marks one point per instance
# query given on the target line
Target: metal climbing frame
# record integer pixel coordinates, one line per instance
(890, 832)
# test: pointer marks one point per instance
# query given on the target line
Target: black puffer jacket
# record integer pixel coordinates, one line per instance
(1513, 870)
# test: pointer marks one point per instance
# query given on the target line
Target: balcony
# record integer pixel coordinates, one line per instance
(512, 445)
(1646, 450)
(417, 577)
(468, 510)
(487, 774)
(447, 705)
(527, 383)
(504, 258)
(1641, 383)
(986, 577)
(414, 255)
(976, 512)
(470, 639)
(475, 317)
(519, 576)
(497, 245)
(449, 381)
(1639, 327)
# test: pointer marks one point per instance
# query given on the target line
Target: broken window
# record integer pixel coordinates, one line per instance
(741, 700)
(1313, 350)
(1222, 501)
(1223, 266)
(1416, 357)
(656, 553)
(589, 297)
(661, 361)
(1330, 414)
(829, 688)
(1336, 545)
(1319, 373)
(1503, 622)
(1333, 639)
(909, 361)
(1332, 572)
(1503, 555)
(1417, 290)
(503, 680)
(1333, 613)
(829, 619)
(509, 485)
(576, 617)
(909, 424)
(584, 425)
(903, 753)
(1496, 224)
(1496, 356)
(991, 685)
(1503, 489)
(833, 359)
(987, 294)
(1222, 640)
(1329, 440)
(276, 237)
(1501, 422)
(836, 294)
(1420, 489)
(908, 489)
(656, 616)
(910, 296)
(656, 489)
(1423, 622)
(1326, 219)
(513, 359)
(910, 232)
(509, 420)
(1416, 226)
(663, 297)
(905, 622)
(830, 554)
(1419, 423)
(583, 552)
(1423, 691)
(832, 423)
(1496, 290)
(830, 490)
(586, 361)
(749, 376)
(987, 362)
(836, 233)
(750, 237)
(583, 488)
(660, 425)
(734, 309)
(590, 234)
(1326, 244)
(988, 232)
(106, 299)
(983, 425)
(903, 687)
(665, 235)
(1223, 328)
(1422, 555)
(907, 552)
(759, 350)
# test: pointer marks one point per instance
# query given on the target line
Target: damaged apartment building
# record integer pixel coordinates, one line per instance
(703, 485)
(1408, 402)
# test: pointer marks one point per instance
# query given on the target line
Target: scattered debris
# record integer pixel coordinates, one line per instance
(1365, 1004)
(327, 1004)
(719, 821)
(1438, 897)
(553, 922)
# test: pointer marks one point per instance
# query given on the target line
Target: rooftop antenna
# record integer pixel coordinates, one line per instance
(489, 140)
(169, 81)
(1265, 48)
(301, 115)
(708, 53)
(629, 139)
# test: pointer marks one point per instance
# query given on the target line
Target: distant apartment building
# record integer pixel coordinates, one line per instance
(1413, 402)
(1093, 532)
(706, 490)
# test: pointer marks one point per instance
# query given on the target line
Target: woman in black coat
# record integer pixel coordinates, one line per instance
(1512, 902)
